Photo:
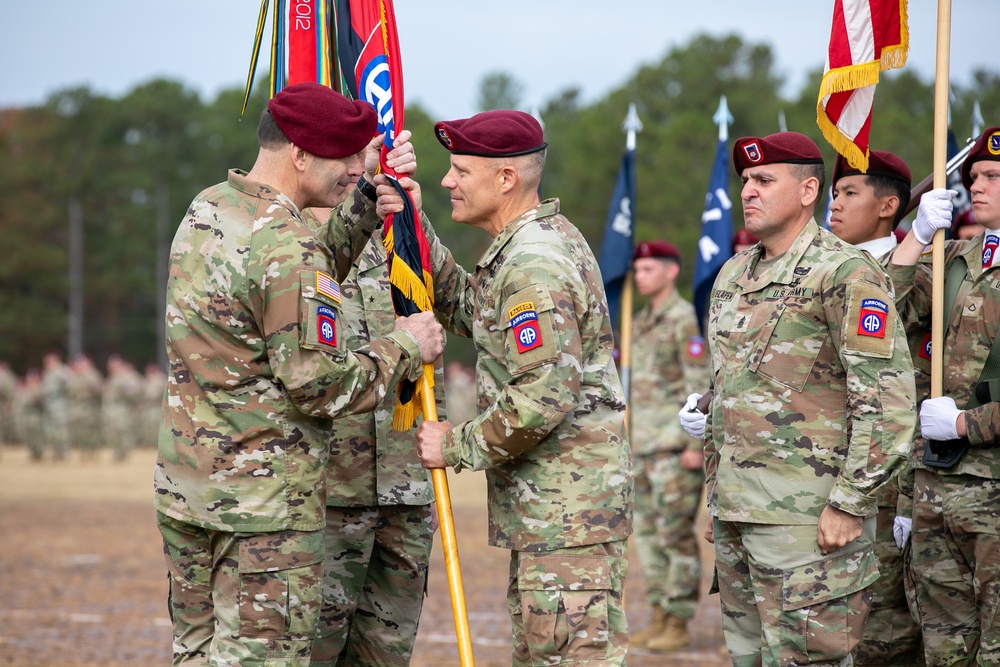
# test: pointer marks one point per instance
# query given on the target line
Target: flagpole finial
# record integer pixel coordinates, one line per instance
(782, 125)
(631, 125)
(723, 118)
(977, 120)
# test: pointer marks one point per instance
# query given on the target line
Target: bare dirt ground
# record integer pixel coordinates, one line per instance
(83, 584)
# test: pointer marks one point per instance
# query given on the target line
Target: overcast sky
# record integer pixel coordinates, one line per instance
(447, 45)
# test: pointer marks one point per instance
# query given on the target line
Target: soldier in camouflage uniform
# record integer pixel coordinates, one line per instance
(121, 405)
(550, 432)
(669, 475)
(85, 389)
(55, 395)
(955, 550)
(258, 366)
(812, 412)
(8, 389)
(29, 410)
(379, 523)
(863, 212)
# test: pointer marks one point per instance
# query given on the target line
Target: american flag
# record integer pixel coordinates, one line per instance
(327, 286)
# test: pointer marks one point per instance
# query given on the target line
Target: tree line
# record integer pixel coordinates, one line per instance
(131, 165)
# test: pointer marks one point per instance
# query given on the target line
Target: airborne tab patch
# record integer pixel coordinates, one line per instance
(524, 323)
(326, 325)
(871, 322)
(327, 286)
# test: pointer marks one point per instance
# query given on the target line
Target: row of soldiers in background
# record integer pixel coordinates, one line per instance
(71, 405)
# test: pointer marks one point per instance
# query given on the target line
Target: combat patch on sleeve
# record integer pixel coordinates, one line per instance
(870, 325)
(526, 321)
(695, 347)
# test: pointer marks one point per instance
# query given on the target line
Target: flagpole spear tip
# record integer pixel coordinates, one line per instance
(782, 125)
(723, 118)
(537, 115)
(631, 125)
(977, 120)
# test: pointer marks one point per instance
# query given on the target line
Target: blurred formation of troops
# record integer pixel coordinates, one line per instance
(73, 405)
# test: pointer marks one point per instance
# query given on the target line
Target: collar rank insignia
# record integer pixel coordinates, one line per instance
(524, 324)
(871, 321)
(327, 286)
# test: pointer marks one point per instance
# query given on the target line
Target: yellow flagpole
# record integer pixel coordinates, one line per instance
(940, 180)
(449, 541)
(626, 344)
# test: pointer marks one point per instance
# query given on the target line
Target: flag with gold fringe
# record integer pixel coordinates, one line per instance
(369, 66)
(867, 38)
(352, 46)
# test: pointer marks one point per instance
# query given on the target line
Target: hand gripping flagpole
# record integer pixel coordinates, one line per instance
(940, 181)
(449, 541)
(630, 125)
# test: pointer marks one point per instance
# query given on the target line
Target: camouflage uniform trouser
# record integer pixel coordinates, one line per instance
(374, 580)
(892, 636)
(56, 428)
(784, 602)
(245, 599)
(955, 555)
(666, 502)
(566, 606)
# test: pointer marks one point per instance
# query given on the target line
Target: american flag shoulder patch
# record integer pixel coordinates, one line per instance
(327, 286)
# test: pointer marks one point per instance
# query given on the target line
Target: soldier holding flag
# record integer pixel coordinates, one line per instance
(811, 414)
(955, 550)
(550, 433)
(258, 365)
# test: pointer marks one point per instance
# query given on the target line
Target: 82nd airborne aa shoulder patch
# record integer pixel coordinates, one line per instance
(871, 321)
(326, 325)
(696, 347)
(524, 324)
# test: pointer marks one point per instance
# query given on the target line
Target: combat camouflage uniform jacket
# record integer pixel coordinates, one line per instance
(371, 464)
(551, 429)
(672, 364)
(972, 326)
(814, 394)
(258, 363)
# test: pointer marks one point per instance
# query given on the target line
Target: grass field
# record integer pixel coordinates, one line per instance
(82, 579)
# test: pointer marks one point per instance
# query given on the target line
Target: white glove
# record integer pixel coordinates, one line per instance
(939, 418)
(692, 420)
(901, 527)
(934, 213)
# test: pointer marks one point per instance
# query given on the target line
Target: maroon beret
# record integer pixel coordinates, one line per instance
(500, 133)
(880, 163)
(963, 220)
(322, 121)
(790, 147)
(987, 147)
(744, 237)
(660, 249)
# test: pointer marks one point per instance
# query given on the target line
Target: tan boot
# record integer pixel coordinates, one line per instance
(639, 639)
(674, 636)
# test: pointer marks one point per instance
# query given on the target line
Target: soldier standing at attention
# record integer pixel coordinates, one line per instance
(812, 413)
(85, 388)
(258, 366)
(550, 432)
(8, 390)
(121, 403)
(55, 395)
(955, 550)
(864, 211)
(669, 464)
(379, 518)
